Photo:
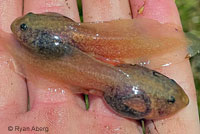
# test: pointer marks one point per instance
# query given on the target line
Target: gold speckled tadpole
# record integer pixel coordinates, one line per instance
(119, 41)
(55, 47)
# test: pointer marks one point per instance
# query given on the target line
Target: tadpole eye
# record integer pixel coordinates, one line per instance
(23, 27)
(171, 100)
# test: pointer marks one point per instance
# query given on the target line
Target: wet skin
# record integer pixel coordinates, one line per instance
(49, 48)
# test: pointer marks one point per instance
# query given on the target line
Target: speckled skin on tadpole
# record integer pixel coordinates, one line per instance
(140, 38)
(43, 41)
(157, 95)
(48, 49)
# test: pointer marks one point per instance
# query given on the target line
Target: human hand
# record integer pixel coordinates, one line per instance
(61, 111)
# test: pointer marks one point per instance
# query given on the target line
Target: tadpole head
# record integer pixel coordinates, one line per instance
(40, 35)
(148, 95)
(167, 96)
(135, 103)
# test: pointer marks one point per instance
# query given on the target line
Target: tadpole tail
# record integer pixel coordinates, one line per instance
(194, 44)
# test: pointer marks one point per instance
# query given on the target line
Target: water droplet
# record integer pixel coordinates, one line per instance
(117, 129)
(166, 64)
(145, 63)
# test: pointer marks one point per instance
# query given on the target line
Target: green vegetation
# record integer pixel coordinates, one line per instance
(87, 103)
(190, 15)
(80, 9)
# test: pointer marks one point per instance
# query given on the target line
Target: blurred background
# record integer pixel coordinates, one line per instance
(190, 17)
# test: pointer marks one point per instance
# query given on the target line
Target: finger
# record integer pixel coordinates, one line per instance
(66, 7)
(166, 12)
(104, 10)
(9, 10)
(13, 93)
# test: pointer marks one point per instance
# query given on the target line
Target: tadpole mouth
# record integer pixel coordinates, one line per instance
(185, 99)
(182, 100)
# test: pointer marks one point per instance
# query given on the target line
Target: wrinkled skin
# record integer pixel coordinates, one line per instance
(132, 91)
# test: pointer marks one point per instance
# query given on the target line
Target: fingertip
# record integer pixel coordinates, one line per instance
(164, 11)
(65, 7)
(9, 10)
(105, 10)
(13, 95)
